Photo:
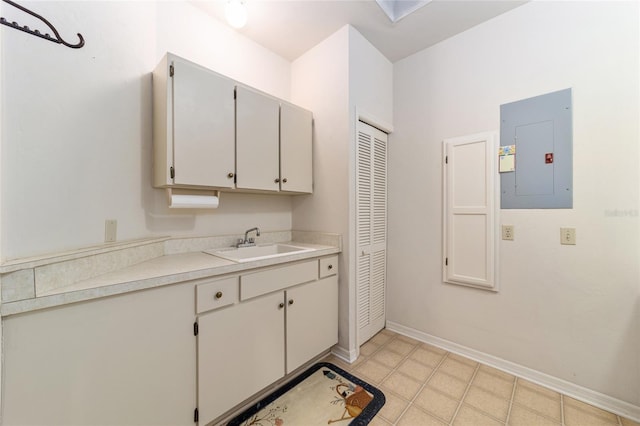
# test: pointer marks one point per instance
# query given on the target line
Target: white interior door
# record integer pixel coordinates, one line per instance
(371, 230)
(470, 214)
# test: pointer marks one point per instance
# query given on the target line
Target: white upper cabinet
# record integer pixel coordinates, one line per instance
(257, 137)
(295, 149)
(209, 132)
(193, 126)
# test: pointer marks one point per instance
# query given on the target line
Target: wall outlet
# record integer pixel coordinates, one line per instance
(507, 232)
(568, 236)
(110, 230)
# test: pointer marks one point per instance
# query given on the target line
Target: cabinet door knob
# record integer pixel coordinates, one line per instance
(277, 180)
(330, 266)
(290, 301)
(284, 180)
(281, 305)
(218, 295)
(230, 175)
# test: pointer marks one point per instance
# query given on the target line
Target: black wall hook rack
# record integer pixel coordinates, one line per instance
(46, 36)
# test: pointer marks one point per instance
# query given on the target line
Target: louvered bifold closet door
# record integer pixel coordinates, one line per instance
(371, 225)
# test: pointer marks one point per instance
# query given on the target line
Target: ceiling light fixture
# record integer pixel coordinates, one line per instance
(236, 13)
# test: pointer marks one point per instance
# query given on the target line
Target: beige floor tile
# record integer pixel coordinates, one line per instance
(628, 422)
(540, 389)
(393, 406)
(463, 360)
(427, 357)
(400, 346)
(372, 370)
(457, 369)
(437, 403)
(379, 421)
(338, 362)
(494, 384)
(416, 417)
(433, 348)
(368, 348)
(387, 332)
(387, 357)
(595, 411)
(498, 373)
(520, 416)
(540, 403)
(416, 370)
(575, 417)
(488, 402)
(381, 338)
(448, 385)
(468, 416)
(407, 339)
(402, 385)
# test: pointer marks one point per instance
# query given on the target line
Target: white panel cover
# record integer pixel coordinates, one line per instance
(469, 217)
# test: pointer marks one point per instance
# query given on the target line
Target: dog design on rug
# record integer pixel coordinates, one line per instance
(354, 403)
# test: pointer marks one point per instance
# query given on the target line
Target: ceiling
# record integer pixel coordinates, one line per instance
(291, 27)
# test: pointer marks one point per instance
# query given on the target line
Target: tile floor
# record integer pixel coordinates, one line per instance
(425, 385)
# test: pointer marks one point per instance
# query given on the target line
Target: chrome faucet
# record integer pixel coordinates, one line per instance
(248, 242)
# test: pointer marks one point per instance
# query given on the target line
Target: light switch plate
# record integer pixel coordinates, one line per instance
(568, 236)
(110, 230)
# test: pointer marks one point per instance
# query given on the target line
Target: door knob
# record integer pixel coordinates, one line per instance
(290, 301)
(218, 295)
(230, 175)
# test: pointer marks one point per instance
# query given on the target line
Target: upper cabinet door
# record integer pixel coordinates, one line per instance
(203, 133)
(257, 135)
(295, 149)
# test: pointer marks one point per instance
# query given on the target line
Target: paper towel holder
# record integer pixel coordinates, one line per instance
(179, 198)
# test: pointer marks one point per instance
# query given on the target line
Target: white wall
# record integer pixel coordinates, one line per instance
(341, 74)
(320, 82)
(77, 136)
(572, 312)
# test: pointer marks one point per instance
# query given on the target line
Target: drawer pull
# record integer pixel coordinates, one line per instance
(330, 267)
(281, 305)
(277, 180)
(218, 295)
(290, 301)
(284, 180)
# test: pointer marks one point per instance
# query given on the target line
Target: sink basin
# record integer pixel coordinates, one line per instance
(248, 254)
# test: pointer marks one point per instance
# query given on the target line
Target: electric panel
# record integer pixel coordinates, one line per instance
(536, 156)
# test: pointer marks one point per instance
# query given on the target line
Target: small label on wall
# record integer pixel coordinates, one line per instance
(507, 158)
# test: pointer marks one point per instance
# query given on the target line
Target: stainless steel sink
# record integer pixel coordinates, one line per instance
(248, 254)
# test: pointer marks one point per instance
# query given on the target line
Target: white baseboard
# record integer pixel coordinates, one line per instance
(580, 393)
(344, 354)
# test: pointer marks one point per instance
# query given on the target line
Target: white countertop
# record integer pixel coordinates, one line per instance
(159, 271)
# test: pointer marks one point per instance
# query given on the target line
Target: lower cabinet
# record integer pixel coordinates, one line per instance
(240, 351)
(244, 345)
(311, 320)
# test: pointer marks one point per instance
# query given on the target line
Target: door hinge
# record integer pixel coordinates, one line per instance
(195, 328)
(446, 261)
(446, 159)
(195, 415)
(171, 70)
(235, 93)
(172, 172)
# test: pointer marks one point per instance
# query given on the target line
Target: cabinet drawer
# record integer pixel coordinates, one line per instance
(216, 294)
(328, 266)
(263, 282)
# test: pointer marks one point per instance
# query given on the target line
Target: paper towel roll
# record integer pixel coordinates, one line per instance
(193, 201)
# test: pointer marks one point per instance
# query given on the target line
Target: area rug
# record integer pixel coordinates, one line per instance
(322, 395)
